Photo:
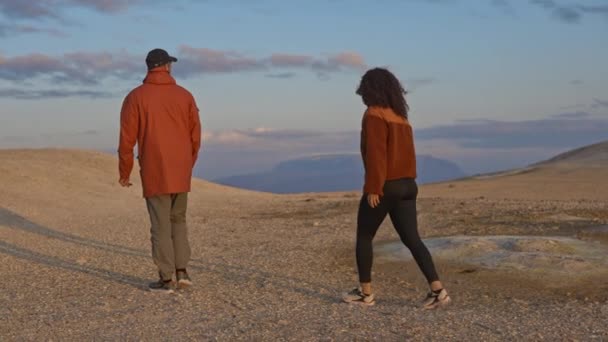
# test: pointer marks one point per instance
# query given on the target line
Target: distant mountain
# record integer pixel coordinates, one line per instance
(331, 173)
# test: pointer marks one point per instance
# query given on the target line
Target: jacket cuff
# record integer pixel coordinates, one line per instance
(373, 189)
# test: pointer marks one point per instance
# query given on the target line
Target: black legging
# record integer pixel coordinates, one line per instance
(399, 201)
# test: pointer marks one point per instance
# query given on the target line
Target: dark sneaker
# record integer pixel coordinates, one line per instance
(183, 280)
(163, 286)
(356, 296)
(436, 298)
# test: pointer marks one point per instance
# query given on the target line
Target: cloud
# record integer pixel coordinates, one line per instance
(504, 6)
(597, 104)
(203, 60)
(347, 59)
(598, 9)
(23, 94)
(572, 115)
(92, 68)
(57, 12)
(576, 82)
(287, 60)
(557, 131)
(9, 30)
(53, 9)
(566, 14)
(79, 68)
(281, 75)
(595, 107)
(570, 13)
(271, 139)
(29, 9)
(108, 6)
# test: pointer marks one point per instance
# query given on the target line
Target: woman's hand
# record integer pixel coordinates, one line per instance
(373, 200)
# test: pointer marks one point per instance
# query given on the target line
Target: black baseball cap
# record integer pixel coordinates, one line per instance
(158, 57)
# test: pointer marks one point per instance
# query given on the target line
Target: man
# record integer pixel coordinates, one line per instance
(162, 118)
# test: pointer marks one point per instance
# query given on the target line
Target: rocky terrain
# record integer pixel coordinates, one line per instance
(75, 259)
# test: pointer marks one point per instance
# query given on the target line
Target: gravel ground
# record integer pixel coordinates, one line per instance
(76, 264)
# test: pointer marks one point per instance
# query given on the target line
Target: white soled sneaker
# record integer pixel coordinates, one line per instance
(183, 280)
(357, 296)
(436, 298)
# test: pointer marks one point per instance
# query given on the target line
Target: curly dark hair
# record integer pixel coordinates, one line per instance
(379, 87)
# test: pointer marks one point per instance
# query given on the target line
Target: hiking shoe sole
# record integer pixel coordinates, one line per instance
(161, 287)
(184, 284)
(357, 297)
(435, 300)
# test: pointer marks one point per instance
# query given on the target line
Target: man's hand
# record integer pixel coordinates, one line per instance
(125, 182)
(373, 200)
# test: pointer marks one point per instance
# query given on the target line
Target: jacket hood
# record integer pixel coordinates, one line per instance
(156, 76)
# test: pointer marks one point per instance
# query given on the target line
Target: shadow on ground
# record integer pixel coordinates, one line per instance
(229, 272)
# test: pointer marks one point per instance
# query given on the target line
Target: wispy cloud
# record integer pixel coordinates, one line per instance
(282, 75)
(597, 104)
(13, 13)
(572, 115)
(504, 6)
(563, 130)
(597, 9)
(54, 9)
(570, 13)
(29, 9)
(92, 68)
(9, 30)
(274, 140)
(81, 68)
(24, 94)
(204, 60)
(567, 12)
(594, 107)
(287, 60)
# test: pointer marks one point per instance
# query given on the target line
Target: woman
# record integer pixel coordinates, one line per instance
(387, 148)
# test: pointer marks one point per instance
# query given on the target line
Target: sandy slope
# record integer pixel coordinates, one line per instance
(74, 254)
(580, 174)
(561, 182)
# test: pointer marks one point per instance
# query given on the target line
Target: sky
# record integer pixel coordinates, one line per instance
(492, 84)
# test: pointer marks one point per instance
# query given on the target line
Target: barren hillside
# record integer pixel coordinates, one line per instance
(595, 155)
(580, 174)
(75, 256)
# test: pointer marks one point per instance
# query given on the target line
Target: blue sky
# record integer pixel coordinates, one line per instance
(515, 67)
